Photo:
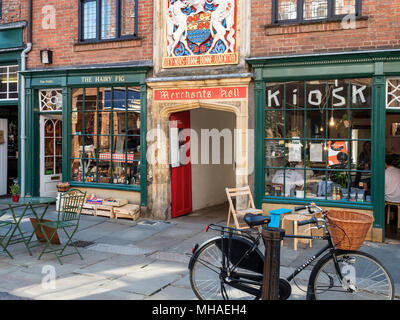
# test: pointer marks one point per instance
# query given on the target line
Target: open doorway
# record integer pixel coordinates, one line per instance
(393, 156)
(200, 182)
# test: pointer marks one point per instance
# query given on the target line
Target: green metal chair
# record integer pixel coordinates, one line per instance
(9, 226)
(69, 213)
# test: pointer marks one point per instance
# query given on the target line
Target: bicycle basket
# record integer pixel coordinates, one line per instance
(348, 229)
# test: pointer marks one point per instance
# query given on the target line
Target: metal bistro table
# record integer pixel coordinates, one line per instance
(30, 207)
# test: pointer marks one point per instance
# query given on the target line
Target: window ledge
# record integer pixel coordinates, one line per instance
(133, 188)
(107, 44)
(314, 26)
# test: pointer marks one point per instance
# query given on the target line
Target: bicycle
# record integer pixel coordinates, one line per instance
(230, 266)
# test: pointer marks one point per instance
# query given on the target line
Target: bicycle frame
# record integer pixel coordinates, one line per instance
(250, 279)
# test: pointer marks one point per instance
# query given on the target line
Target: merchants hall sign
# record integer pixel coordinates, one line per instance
(201, 93)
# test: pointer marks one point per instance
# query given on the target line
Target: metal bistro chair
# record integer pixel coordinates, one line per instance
(9, 226)
(69, 212)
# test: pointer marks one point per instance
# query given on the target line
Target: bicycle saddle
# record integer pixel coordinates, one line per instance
(254, 220)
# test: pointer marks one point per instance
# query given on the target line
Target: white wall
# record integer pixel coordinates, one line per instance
(210, 180)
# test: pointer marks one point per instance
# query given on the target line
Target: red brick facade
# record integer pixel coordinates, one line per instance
(63, 40)
(11, 11)
(379, 28)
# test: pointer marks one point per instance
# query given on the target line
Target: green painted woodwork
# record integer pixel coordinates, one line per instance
(378, 150)
(11, 38)
(376, 65)
(68, 80)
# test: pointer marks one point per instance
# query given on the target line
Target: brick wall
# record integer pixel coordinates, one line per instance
(11, 11)
(63, 40)
(378, 29)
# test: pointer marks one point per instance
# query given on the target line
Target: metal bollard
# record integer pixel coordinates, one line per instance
(272, 240)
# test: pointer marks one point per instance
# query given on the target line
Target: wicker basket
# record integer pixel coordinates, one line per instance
(63, 187)
(348, 229)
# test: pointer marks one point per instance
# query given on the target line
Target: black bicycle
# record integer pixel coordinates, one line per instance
(230, 266)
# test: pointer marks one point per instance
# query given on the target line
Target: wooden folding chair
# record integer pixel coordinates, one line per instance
(239, 214)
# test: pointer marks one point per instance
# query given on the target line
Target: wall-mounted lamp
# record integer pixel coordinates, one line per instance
(46, 56)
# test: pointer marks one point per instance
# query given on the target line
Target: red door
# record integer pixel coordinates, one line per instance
(181, 171)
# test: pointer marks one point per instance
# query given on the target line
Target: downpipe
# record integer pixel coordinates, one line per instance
(24, 57)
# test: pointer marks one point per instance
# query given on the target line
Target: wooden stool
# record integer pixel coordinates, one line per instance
(396, 204)
(295, 218)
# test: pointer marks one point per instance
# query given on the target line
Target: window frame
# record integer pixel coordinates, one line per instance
(305, 139)
(300, 17)
(111, 135)
(118, 22)
(1, 9)
(8, 92)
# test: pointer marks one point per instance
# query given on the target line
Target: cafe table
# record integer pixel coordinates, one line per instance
(30, 207)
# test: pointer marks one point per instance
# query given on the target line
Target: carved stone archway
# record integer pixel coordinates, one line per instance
(159, 112)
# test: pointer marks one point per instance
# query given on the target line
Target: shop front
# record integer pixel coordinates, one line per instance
(11, 46)
(85, 127)
(320, 132)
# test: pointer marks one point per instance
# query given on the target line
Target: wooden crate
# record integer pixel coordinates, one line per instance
(128, 211)
(88, 209)
(115, 202)
(104, 211)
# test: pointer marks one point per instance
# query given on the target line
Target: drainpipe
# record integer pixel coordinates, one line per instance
(24, 56)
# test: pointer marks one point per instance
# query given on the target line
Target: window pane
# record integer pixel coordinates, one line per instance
(127, 17)
(274, 153)
(316, 124)
(338, 124)
(294, 124)
(361, 93)
(393, 93)
(340, 186)
(89, 20)
(316, 95)
(275, 92)
(345, 7)
(361, 124)
(274, 124)
(274, 189)
(295, 95)
(315, 184)
(108, 22)
(315, 9)
(316, 153)
(287, 9)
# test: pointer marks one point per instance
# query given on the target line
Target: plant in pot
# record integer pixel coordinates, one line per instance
(15, 192)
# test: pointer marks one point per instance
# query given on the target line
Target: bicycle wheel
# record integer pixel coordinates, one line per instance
(211, 280)
(364, 278)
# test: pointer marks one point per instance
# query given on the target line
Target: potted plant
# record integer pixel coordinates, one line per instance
(15, 192)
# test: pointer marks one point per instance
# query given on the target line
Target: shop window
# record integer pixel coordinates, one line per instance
(105, 140)
(393, 93)
(297, 11)
(102, 20)
(8, 82)
(318, 140)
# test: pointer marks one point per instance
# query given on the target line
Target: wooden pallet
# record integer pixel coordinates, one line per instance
(98, 210)
(128, 211)
(88, 209)
(104, 211)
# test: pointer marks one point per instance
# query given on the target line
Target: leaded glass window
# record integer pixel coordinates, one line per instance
(291, 11)
(102, 20)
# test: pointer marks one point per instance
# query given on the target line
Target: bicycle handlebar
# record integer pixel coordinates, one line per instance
(304, 222)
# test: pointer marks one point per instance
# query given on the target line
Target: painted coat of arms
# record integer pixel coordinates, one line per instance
(201, 32)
